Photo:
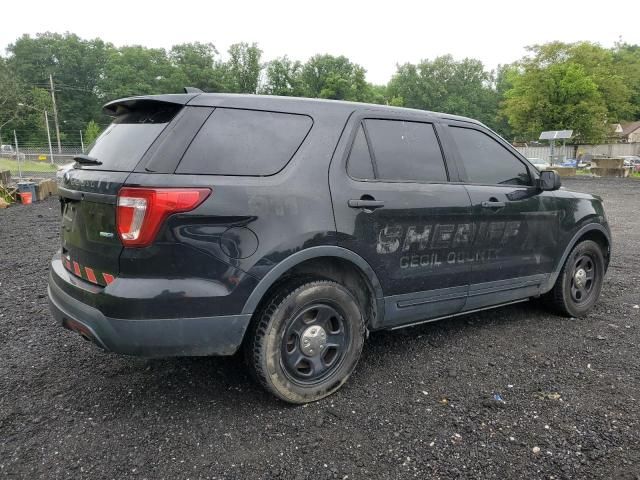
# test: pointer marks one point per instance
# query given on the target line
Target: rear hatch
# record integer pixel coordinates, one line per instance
(91, 247)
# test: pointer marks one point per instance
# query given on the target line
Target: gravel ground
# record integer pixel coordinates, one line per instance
(420, 404)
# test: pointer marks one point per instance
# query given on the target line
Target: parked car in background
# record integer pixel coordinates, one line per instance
(584, 164)
(7, 151)
(575, 163)
(632, 161)
(201, 224)
(569, 162)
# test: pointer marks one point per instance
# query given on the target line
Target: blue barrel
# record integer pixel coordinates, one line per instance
(28, 187)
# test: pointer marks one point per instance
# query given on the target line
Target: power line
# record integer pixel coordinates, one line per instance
(60, 87)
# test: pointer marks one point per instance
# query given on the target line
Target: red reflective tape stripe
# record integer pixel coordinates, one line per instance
(76, 269)
(67, 264)
(107, 278)
(90, 275)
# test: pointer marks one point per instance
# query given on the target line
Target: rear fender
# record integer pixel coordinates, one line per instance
(314, 252)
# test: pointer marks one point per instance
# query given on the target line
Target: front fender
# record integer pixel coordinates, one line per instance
(572, 243)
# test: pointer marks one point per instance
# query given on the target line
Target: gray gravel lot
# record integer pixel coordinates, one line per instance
(420, 404)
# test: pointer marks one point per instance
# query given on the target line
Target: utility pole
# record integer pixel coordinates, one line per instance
(15, 138)
(46, 121)
(55, 113)
(81, 141)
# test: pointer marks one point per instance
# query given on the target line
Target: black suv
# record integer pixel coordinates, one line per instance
(201, 223)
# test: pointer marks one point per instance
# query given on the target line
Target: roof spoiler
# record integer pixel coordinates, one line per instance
(116, 107)
(192, 90)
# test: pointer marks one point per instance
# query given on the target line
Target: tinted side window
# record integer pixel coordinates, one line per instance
(359, 163)
(486, 161)
(245, 142)
(405, 151)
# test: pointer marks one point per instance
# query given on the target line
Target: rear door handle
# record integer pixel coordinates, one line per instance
(493, 204)
(368, 204)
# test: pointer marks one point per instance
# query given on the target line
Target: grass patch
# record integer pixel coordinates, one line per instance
(26, 166)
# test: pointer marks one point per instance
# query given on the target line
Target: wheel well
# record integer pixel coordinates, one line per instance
(338, 270)
(601, 239)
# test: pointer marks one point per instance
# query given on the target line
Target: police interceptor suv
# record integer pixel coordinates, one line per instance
(200, 224)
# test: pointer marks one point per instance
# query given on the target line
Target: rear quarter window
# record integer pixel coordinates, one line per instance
(245, 142)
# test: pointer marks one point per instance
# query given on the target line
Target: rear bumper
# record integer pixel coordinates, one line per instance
(218, 335)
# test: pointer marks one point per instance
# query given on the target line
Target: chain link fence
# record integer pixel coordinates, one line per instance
(36, 161)
(564, 152)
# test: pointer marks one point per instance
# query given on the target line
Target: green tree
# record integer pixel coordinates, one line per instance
(581, 86)
(76, 65)
(555, 97)
(30, 121)
(378, 94)
(504, 74)
(337, 78)
(243, 68)
(137, 70)
(446, 85)
(91, 132)
(598, 63)
(198, 66)
(626, 59)
(284, 77)
(10, 96)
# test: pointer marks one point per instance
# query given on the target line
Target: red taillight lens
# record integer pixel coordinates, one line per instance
(141, 211)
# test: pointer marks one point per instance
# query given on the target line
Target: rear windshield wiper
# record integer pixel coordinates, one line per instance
(87, 160)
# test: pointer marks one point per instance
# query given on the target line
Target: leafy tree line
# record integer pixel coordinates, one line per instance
(580, 86)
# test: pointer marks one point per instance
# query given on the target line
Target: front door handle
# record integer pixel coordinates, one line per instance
(494, 204)
(366, 204)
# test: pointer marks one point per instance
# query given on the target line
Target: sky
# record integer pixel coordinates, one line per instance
(375, 34)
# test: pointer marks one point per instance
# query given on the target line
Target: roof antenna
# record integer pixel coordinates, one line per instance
(192, 90)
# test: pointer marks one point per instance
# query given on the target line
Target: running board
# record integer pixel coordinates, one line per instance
(458, 314)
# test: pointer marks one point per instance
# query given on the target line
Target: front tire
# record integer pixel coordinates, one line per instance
(579, 283)
(306, 341)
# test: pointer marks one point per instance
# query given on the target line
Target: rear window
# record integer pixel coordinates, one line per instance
(121, 146)
(245, 142)
(405, 151)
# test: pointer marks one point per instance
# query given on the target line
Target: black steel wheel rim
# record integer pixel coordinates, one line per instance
(583, 278)
(314, 343)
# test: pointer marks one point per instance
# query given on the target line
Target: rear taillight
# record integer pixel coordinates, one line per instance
(141, 211)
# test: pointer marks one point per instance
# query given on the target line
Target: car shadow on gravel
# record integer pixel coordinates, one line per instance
(437, 333)
(226, 382)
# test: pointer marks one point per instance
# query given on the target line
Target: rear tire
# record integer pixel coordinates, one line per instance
(306, 341)
(579, 283)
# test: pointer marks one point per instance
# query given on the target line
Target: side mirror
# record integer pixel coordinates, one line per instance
(549, 180)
